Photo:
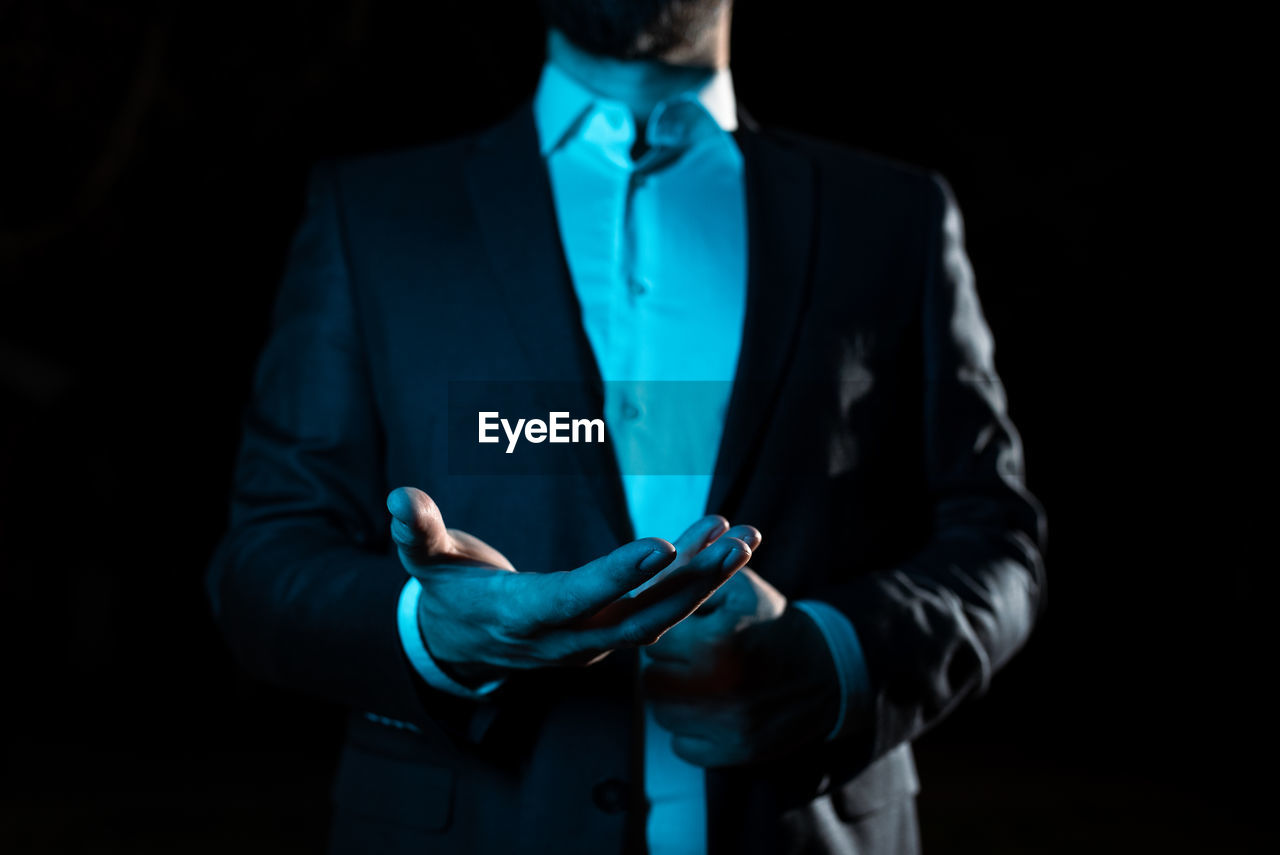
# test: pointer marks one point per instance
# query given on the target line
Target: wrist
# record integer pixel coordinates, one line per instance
(457, 681)
(472, 675)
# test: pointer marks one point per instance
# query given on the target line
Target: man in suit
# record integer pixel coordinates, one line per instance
(804, 429)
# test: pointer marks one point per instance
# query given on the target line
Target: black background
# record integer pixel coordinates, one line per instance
(153, 160)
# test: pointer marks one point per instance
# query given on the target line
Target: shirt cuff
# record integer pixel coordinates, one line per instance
(851, 668)
(416, 649)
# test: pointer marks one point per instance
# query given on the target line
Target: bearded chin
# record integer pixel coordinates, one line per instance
(631, 29)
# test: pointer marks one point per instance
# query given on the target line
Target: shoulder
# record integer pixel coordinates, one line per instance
(439, 165)
(382, 172)
(858, 173)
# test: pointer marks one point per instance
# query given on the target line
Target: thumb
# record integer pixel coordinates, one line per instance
(417, 526)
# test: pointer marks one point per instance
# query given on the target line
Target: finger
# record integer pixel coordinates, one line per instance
(717, 601)
(751, 536)
(572, 595)
(416, 525)
(748, 534)
(642, 620)
(698, 536)
(720, 559)
(695, 539)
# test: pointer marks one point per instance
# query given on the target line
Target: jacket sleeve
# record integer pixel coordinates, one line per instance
(935, 628)
(303, 585)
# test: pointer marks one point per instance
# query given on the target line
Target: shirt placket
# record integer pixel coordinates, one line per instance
(628, 324)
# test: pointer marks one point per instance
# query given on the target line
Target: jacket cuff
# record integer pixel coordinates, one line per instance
(846, 651)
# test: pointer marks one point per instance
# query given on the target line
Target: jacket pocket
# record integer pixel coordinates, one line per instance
(885, 781)
(385, 789)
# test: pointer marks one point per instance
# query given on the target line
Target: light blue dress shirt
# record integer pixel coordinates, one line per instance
(656, 243)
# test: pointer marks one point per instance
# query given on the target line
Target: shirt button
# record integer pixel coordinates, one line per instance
(610, 795)
(638, 286)
(630, 411)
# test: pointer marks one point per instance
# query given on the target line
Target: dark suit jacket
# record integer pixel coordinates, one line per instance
(866, 436)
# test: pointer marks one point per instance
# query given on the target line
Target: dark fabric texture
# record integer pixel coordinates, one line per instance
(867, 437)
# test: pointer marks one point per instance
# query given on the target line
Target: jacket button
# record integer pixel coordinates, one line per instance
(610, 795)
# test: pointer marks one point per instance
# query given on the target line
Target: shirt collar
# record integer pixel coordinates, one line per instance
(562, 101)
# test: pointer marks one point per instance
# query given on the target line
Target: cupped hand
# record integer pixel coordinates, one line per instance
(480, 618)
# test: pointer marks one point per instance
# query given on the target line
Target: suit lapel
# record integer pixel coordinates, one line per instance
(780, 197)
(511, 194)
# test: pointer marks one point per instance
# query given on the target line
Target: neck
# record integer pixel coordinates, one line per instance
(710, 48)
(638, 83)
